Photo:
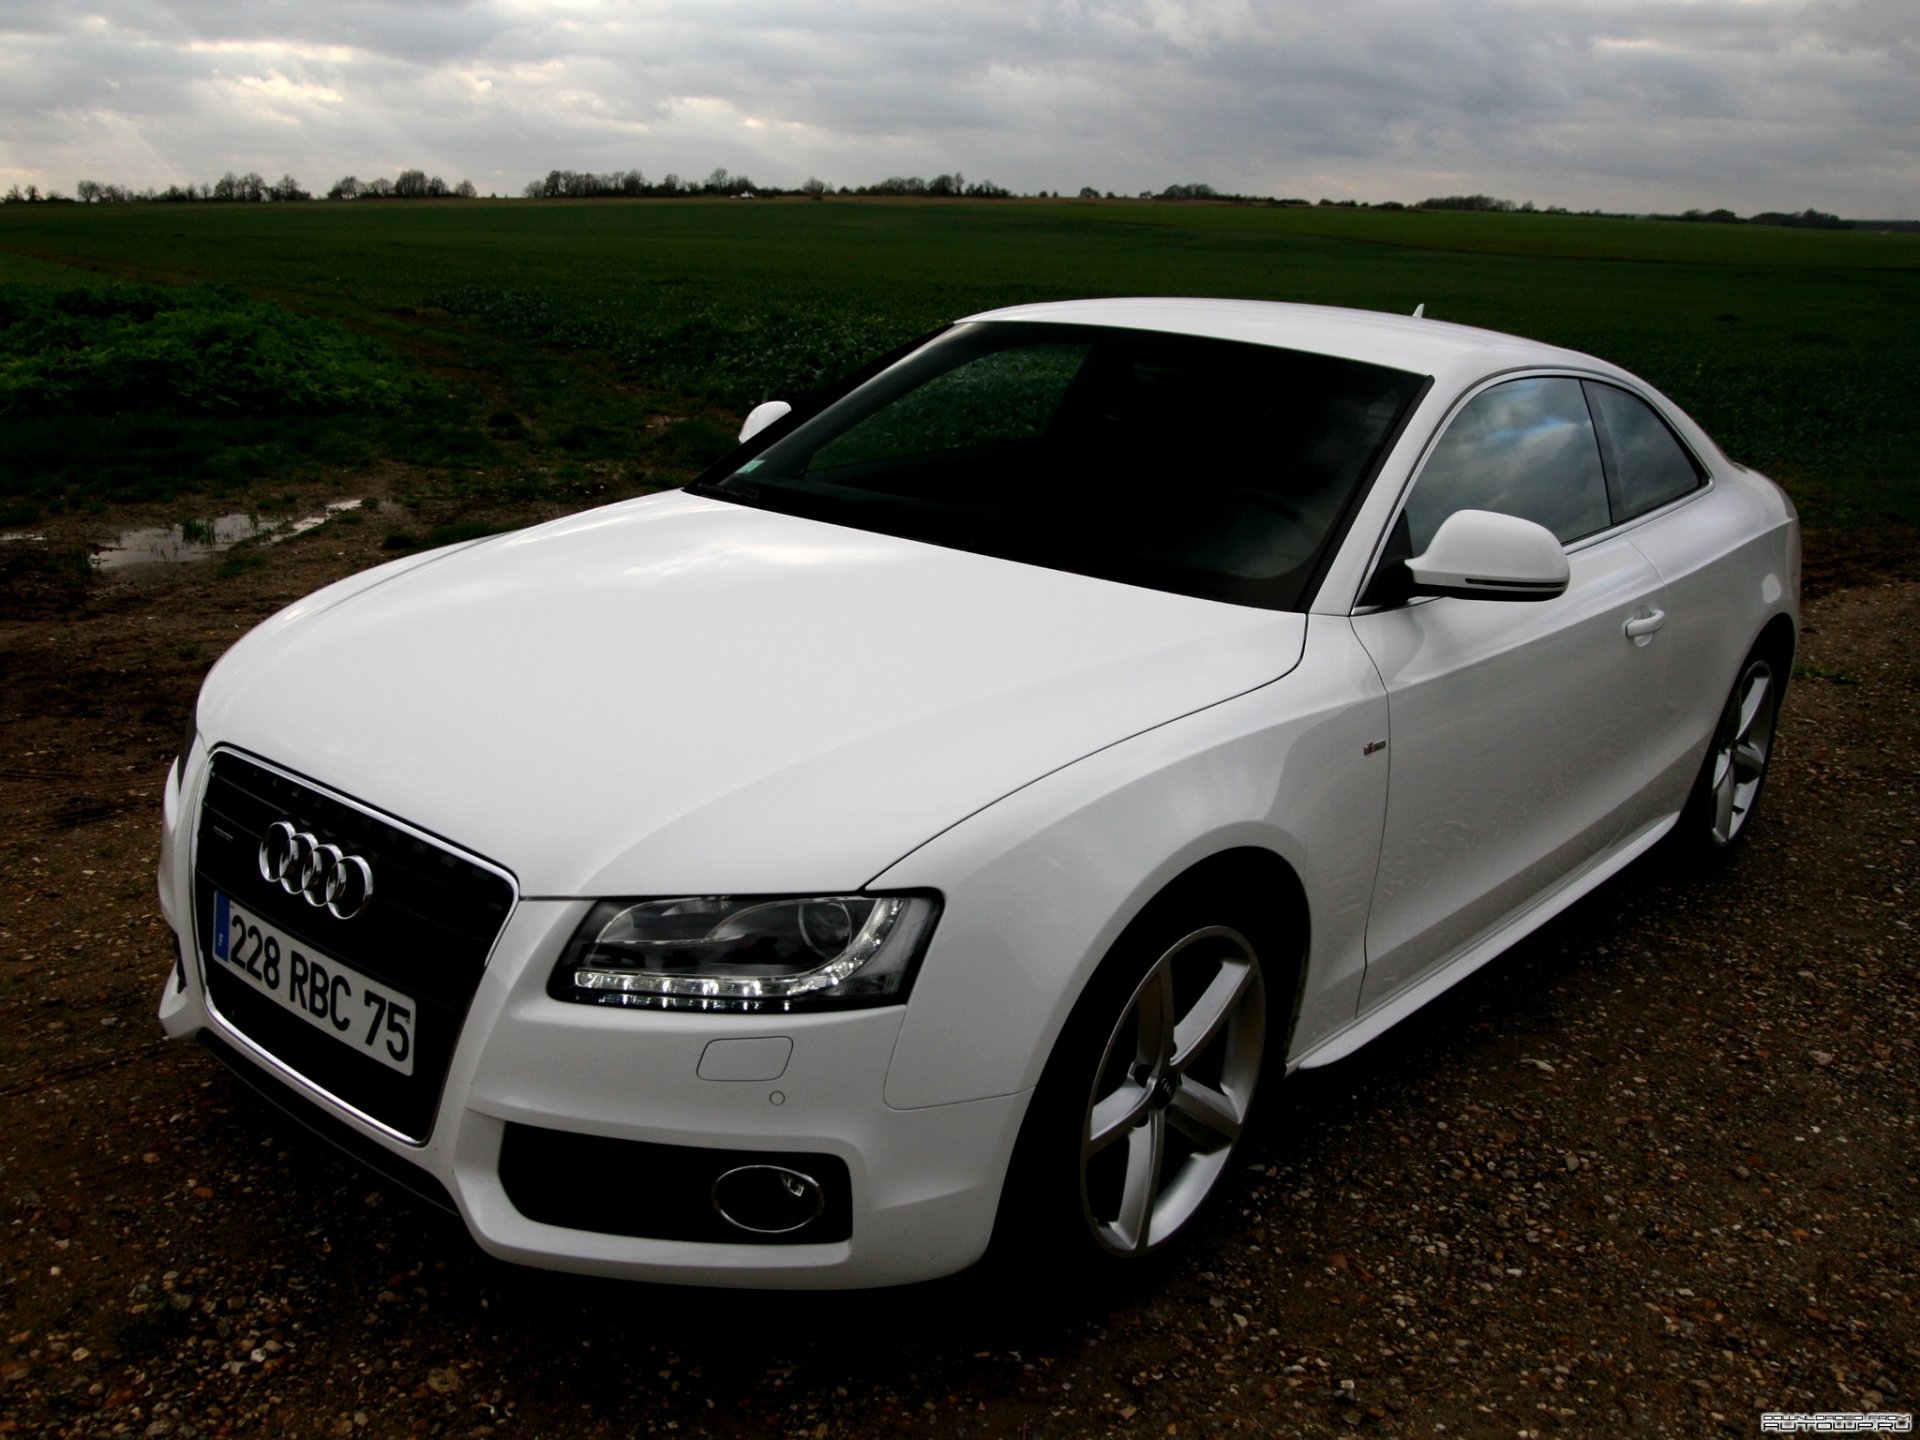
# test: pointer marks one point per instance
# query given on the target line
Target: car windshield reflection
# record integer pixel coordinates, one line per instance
(1200, 466)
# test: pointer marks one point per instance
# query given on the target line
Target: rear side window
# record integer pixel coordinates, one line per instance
(1649, 463)
(1525, 448)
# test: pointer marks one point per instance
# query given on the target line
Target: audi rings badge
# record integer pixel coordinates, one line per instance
(301, 865)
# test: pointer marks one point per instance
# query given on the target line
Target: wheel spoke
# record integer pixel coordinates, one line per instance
(1753, 704)
(1114, 1115)
(1722, 764)
(1146, 1149)
(1749, 760)
(1206, 1116)
(1202, 1024)
(1723, 824)
(1155, 1009)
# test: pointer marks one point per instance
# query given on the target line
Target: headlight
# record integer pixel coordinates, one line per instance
(723, 952)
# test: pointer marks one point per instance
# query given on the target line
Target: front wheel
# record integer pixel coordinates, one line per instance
(1143, 1104)
(1172, 1091)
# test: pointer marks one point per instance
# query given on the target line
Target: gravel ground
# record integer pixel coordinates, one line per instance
(1652, 1173)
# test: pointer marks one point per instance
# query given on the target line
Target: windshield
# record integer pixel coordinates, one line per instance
(1205, 467)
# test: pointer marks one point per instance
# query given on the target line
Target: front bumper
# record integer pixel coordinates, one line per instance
(921, 1185)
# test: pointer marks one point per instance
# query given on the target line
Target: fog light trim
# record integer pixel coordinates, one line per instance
(781, 1186)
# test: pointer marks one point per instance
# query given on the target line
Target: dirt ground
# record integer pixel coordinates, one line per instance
(1652, 1173)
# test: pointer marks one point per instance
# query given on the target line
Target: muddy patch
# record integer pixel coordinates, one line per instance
(193, 540)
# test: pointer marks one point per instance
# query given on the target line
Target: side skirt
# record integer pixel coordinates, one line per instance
(1476, 953)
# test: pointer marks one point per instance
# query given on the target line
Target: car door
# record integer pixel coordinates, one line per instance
(1685, 532)
(1517, 728)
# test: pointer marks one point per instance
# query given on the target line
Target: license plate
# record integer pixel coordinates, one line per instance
(331, 996)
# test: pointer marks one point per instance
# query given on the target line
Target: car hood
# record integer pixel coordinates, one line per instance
(679, 694)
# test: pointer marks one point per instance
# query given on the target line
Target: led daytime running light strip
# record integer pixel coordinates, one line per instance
(862, 948)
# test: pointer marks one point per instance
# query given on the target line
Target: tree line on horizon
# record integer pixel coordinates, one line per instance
(248, 189)
(253, 188)
(632, 184)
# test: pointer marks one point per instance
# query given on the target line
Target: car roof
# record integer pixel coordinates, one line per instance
(1403, 342)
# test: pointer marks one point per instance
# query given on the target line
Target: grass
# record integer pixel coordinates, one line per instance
(1808, 670)
(203, 351)
(591, 349)
(452, 533)
(125, 391)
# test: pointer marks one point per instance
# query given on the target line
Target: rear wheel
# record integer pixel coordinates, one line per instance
(1728, 789)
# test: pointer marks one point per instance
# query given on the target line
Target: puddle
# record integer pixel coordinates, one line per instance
(198, 539)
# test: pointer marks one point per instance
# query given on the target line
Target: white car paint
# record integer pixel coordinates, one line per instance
(679, 695)
(724, 668)
(1478, 825)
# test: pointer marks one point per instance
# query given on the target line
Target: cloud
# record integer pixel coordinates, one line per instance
(1623, 104)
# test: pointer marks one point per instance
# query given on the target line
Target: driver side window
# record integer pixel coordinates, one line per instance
(1526, 448)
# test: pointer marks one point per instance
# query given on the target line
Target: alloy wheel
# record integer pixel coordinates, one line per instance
(1741, 747)
(1173, 1090)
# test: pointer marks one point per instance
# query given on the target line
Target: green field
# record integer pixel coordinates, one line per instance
(547, 335)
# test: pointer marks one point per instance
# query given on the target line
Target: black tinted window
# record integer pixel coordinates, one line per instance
(1524, 448)
(1003, 396)
(1206, 467)
(1649, 463)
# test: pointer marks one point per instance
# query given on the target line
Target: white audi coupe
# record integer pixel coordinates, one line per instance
(935, 827)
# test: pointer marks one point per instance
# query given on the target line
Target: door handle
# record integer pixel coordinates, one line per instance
(1641, 627)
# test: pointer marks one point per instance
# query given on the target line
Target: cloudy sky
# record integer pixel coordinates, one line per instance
(1617, 104)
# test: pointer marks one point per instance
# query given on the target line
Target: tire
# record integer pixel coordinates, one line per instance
(1144, 1101)
(1727, 791)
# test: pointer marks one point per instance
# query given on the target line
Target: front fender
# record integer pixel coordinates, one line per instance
(1040, 885)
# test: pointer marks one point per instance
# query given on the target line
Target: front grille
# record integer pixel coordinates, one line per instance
(427, 932)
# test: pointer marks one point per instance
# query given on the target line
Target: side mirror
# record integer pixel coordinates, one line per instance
(1478, 555)
(761, 416)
